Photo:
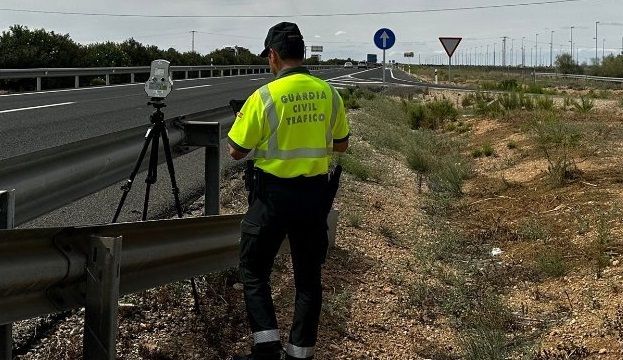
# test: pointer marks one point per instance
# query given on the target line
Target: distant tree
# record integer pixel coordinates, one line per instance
(105, 55)
(611, 66)
(566, 65)
(139, 54)
(21, 47)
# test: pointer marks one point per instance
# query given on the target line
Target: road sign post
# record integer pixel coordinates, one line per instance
(384, 39)
(450, 44)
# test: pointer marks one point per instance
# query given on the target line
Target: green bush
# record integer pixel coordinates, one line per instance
(477, 153)
(354, 166)
(487, 150)
(527, 102)
(545, 103)
(449, 174)
(556, 139)
(430, 115)
(551, 263)
(585, 105)
(97, 82)
(510, 101)
(508, 85)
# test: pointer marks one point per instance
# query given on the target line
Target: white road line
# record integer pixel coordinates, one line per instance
(350, 75)
(35, 107)
(258, 79)
(193, 87)
(70, 90)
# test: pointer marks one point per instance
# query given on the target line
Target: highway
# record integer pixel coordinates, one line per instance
(41, 120)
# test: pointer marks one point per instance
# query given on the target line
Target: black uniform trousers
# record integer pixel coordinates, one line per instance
(296, 208)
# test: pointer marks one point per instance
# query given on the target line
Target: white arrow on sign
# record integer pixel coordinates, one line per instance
(385, 37)
(450, 44)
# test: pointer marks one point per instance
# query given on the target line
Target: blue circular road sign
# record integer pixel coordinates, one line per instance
(384, 39)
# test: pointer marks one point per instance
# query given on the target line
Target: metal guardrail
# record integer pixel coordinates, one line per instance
(49, 179)
(212, 70)
(582, 77)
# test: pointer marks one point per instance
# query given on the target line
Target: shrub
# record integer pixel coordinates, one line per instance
(476, 153)
(551, 263)
(487, 149)
(510, 101)
(569, 102)
(420, 154)
(430, 115)
(97, 82)
(556, 140)
(585, 105)
(545, 103)
(527, 102)
(354, 166)
(508, 85)
(448, 175)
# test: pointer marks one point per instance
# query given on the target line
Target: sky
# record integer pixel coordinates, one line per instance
(340, 36)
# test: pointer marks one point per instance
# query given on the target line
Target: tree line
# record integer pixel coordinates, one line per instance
(611, 66)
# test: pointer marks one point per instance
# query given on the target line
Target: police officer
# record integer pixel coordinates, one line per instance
(293, 124)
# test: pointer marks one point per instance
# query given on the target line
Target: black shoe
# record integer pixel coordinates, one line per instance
(254, 357)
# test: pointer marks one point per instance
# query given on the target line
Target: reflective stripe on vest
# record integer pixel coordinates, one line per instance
(266, 336)
(299, 352)
(273, 151)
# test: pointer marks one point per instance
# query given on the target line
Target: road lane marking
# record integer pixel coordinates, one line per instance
(35, 107)
(193, 87)
(258, 79)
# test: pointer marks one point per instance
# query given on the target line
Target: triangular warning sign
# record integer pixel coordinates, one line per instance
(450, 44)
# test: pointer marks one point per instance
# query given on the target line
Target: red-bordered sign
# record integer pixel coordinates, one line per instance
(450, 44)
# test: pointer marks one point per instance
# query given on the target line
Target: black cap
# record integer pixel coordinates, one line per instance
(283, 37)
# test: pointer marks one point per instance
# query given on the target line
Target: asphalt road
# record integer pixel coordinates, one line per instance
(35, 121)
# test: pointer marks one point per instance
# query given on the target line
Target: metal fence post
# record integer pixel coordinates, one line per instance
(7, 221)
(132, 78)
(107, 79)
(77, 81)
(39, 84)
(186, 74)
(102, 296)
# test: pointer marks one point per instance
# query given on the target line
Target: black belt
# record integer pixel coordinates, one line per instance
(295, 181)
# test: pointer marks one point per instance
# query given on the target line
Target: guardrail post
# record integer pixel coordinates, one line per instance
(39, 84)
(132, 78)
(102, 296)
(208, 134)
(7, 221)
(186, 74)
(77, 81)
(107, 79)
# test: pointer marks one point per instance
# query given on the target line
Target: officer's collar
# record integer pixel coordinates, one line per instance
(291, 71)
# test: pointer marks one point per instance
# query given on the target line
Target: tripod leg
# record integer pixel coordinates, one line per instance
(169, 158)
(152, 173)
(128, 185)
(178, 206)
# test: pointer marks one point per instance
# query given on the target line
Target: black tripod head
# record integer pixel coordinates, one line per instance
(158, 104)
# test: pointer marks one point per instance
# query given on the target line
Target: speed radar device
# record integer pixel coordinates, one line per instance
(159, 84)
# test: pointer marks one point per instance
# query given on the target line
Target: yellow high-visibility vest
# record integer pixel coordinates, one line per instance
(291, 123)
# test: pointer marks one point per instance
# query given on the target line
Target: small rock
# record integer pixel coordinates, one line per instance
(238, 286)
(615, 263)
(602, 351)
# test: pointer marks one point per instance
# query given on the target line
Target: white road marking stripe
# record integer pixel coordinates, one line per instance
(193, 87)
(258, 79)
(35, 107)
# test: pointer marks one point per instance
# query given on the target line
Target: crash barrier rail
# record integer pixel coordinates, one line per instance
(52, 270)
(49, 179)
(212, 70)
(582, 77)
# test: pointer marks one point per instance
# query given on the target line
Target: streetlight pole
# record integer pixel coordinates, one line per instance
(551, 51)
(596, 56)
(572, 43)
(536, 51)
(523, 52)
(603, 51)
(512, 52)
(494, 54)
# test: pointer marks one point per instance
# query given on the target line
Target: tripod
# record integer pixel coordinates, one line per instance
(154, 134)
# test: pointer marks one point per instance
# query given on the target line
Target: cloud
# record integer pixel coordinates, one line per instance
(340, 32)
(317, 36)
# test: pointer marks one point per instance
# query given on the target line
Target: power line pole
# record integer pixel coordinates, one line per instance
(504, 51)
(551, 51)
(512, 52)
(596, 57)
(572, 43)
(603, 51)
(536, 51)
(494, 54)
(193, 47)
(523, 52)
